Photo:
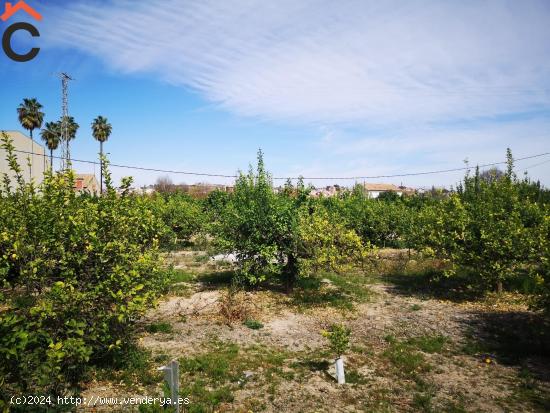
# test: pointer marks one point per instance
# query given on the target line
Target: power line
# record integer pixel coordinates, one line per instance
(537, 164)
(212, 175)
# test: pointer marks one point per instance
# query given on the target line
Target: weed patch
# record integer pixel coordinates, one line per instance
(253, 324)
(132, 366)
(215, 375)
(160, 327)
(405, 358)
(429, 343)
(332, 290)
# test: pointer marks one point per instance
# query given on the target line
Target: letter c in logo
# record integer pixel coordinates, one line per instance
(6, 42)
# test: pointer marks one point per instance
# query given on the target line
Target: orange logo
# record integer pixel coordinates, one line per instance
(21, 5)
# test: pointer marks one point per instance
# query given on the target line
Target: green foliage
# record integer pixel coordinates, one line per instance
(488, 229)
(253, 324)
(260, 227)
(30, 114)
(326, 244)
(130, 365)
(282, 233)
(182, 215)
(541, 252)
(382, 222)
(101, 129)
(75, 273)
(338, 336)
(160, 327)
(215, 204)
(405, 358)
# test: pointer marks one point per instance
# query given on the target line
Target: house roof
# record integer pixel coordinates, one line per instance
(88, 180)
(380, 187)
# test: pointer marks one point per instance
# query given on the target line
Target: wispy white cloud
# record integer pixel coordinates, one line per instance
(327, 61)
(390, 87)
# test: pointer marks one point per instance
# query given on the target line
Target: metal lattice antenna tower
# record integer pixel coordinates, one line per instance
(65, 151)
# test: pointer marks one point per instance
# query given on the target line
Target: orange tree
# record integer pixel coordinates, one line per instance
(487, 229)
(75, 272)
(280, 233)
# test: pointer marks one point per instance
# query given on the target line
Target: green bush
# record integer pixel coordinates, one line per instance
(382, 222)
(182, 215)
(260, 227)
(282, 233)
(488, 229)
(338, 336)
(75, 272)
(326, 244)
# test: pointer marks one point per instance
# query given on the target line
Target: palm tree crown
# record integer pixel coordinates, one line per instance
(29, 114)
(72, 127)
(51, 135)
(101, 129)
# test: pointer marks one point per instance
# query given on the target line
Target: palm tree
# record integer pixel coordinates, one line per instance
(101, 129)
(51, 135)
(31, 118)
(72, 128)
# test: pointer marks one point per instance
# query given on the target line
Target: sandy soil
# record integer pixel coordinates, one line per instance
(457, 379)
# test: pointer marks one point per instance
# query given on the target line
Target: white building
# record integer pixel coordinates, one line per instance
(33, 166)
(375, 190)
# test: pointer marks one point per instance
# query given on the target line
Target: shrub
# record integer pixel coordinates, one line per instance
(338, 336)
(541, 274)
(75, 273)
(234, 305)
(260, 227)
(282, 233)
(326, 244)
(488, 229)
(182, 215)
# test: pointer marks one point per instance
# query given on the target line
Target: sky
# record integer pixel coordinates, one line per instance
(324, 88)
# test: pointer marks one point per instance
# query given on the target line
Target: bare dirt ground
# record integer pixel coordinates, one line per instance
(410, 351)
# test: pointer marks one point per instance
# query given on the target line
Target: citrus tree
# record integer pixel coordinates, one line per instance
(260, 227)
(281, 233)
(487, 229)
(76, 271)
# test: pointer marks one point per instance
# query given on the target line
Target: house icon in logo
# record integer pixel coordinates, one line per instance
(10, 10)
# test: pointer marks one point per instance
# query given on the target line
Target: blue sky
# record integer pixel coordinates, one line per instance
(348, 88)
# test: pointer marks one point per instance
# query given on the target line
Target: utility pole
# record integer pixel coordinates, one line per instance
(65, 151)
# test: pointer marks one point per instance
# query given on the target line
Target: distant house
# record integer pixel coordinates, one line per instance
(199, 190)
(325, 192)
(86, 183)
(145, 190)
(202, 190)
(24, 147)
(375, 190)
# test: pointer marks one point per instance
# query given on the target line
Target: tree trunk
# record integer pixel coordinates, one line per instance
(499, 287)
(289, 272)
(100, 168)
(51, 160)
(32, 156)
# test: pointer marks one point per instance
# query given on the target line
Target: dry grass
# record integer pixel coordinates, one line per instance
(416, 345)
